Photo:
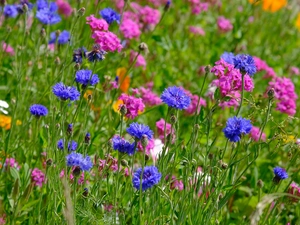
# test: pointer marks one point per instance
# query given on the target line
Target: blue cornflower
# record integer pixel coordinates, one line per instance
(109, 15)
(38, 110)
(96, 54)
(245, 63)
(228, 57)
(86, 77)
(235, 127)
(150, 177)
(77, 159)
(65, 92)
(72, 145)
(63, 38)
(137, 131)
(121, 145)
(280, 173)
(176, 98)
(78, 54)
(10, 11)
(49, 14)
(41, 4)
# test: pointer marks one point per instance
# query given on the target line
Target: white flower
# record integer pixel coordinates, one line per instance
(3, 105)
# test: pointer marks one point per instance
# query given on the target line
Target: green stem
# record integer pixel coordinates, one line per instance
(242, 96)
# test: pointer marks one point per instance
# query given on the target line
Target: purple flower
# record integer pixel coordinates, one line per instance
(245, 63)
(38, 110)
(176, 98)
(235, 127)
(78, 54)
(228, 57)
(65, 92)
(77, 159)
(97, 54)
(110, 15)
(63, 38)
(121, 145)
(10, 11)
(280, 173)
(48, 14)
(72, 145)
(85, 77)
(137, 131)
(150, 177)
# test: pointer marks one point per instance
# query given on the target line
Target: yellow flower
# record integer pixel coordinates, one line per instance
(5, 122)
(117, 104)
(298, 21)
(124, 79)
(289, 138)
(273, 5)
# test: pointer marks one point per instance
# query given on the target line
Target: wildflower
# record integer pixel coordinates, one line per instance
(10, 11)
(70, 128)
(137, 131)
(87, 138)
(150, 177)
(198, 7)
(121, 145)
(160, 125)
(8, 49)
(224, 24)
(263, 66)
(63, 38)
(64, 7)
(2, 219)
(234, 101)
(72, 145)
(235, 127)
(294, 189)
(176, 184)
(280, 174)
(273, 5)
(38, 110)
(197, 30)
(133, 105)
(96, 54)
(194, 103)
(97, 24)
(5, 122)
(298, 21)
(176, 98)
(108, 41)
(228, 57)
(149, 16)
(77, 159)
(47, 14)
(148, 97)
(108, 163)
(65, 92)
(140, 60)
(78, 54)
(85, 78)
(245, 64)
(11, 162)
(284, 92)
(150, 145)
(255, 134)
(38, 177)
(130, 29)
(110, 15)
(295, 70)
(123, 79)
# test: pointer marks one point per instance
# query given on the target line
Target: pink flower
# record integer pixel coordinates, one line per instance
(130, 29)
(2, 219)
(197, 30)
(149, 97)
(134, 105)
(38, 177)
(108, 163)
(284, 92)
(158, 2)
(149, 15)
(198, 7)
(263, 66)
(119, 5)
(224, 24)
(11, 162)
(295, 70)
(8, 49)
(234, 100)
(97, 24)
(160, 125)
(176, 184)
(140, 61)
(149, 147)
(64, 8)
(107, 40)
(294, 189)
(193, 106)
(255, 134)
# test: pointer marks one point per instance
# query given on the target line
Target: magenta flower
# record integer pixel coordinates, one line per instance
(64, 7)
(149, 97)
(97, 24)
(224, 24)
(133, 105)
(140, 61)
(255, 134)
(38, 177)
(160, 125)
(197, 30)
(130, 29)
(108, 41)
(8, 49)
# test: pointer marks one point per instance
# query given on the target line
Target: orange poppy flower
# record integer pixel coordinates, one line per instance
(124, 79)
(273, 5)
(298, 21)
(5, 122)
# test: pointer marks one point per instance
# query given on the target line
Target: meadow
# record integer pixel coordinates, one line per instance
(149, 112)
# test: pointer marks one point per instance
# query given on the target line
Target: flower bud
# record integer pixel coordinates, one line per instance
(144, 141)
(271, 93)
(70, 129)
(25, 7)
(210, 156)
(81, 11)
(167, 5)
(76, 171)
(143, 47)
(224, 166)
(85, 192)
(77, 66)
(173, 119)
(207, 69)
(123, 110)
(124, 163)
(260, 183)
(57, 33)
(87, 138)
(49, 162)
(43, 33)
(57, 61)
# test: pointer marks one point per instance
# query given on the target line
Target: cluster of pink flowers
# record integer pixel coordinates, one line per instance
(108, 41)
(97, 24)
(160, 125)
(64, 7)
(140, 60)
(294, 189)
(80, 180)
(8, 49)
(198, 6)
(148, 148)
(284, 92)
(193, 106)
(255, 134)
(38, 177)
(224, 24)
(149, 97)
(261, 65)
(176, 184)
(133, 105)
(230, 79)
(2, 219)
(142, 18)
(11, 162)
(111, 163)
(234, 101)
(295, 70)
(197, 30)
